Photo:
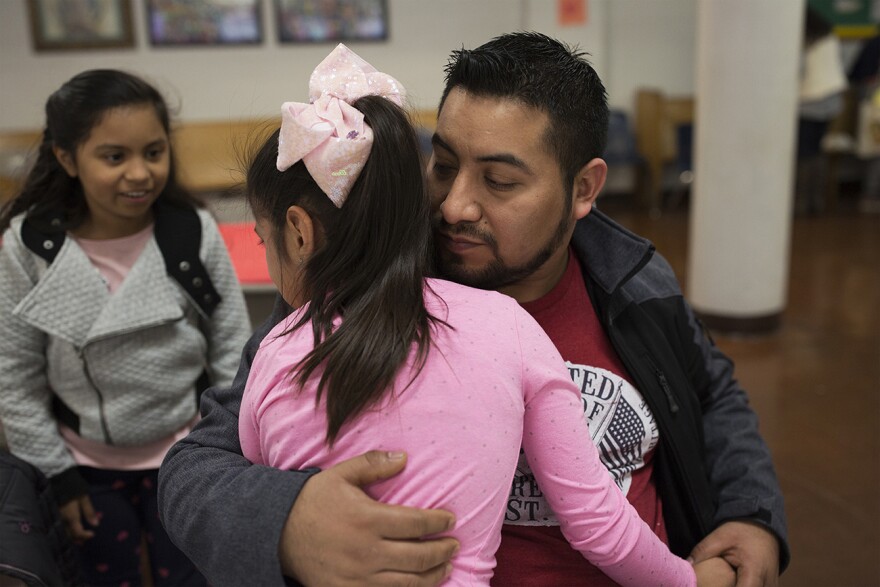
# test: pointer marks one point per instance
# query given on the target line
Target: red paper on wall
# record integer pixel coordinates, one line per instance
(572, 12)
(248, 257)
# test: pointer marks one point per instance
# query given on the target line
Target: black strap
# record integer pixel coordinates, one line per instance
(178, 233)
(43, 243)
(64, 414)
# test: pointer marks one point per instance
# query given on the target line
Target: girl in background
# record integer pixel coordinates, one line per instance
(103, 352)
(377, 355)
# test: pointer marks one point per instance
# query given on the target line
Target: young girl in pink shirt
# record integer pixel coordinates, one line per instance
(378, 355)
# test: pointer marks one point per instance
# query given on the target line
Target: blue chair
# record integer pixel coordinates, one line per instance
(621, 151)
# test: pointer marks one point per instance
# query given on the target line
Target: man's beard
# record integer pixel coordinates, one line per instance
(497, 273)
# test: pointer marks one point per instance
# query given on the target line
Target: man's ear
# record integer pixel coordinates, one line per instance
(299, 233)
(587, 184)
(66, 160)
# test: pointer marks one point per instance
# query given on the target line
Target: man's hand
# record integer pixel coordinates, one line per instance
(73, 513)
(749, 548)
(337, 535)
(714, 572)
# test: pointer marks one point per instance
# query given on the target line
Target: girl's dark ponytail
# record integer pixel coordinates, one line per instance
(369, 269)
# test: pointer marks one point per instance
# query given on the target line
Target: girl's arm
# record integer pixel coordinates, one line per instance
(25, 398)
(222, 512)
(229, 327)
(594, 515)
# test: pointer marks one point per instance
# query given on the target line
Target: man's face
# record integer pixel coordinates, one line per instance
(502, 216)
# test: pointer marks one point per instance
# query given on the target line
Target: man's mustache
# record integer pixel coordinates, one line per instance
(466, 229)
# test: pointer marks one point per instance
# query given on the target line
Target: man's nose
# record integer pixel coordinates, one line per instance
(460, 205)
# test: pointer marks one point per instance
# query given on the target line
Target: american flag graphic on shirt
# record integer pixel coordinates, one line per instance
(621, 426)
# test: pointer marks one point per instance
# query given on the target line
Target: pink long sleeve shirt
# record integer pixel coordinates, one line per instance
(492, 383)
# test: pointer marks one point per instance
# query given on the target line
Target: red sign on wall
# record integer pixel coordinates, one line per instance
(571, 12)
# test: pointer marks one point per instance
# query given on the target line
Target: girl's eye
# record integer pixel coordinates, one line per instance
(113, 157)
(155, 153)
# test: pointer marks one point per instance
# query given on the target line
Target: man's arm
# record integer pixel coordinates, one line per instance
(372, 543)
(750, 519)
(223, 512)
(238, 521)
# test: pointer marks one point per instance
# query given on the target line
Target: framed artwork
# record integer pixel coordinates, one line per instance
(326, 21)
(204, 22)
(61, 25)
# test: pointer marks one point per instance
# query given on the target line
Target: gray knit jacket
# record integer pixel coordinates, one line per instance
(125, 364)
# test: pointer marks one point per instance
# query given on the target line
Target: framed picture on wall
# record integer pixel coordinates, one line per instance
(325, 21)
(60, 25)
(204, 22)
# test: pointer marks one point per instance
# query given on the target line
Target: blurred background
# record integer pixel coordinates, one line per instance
(688, 82)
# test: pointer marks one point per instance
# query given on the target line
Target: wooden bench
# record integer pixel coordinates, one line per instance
(16, 152)
(211, 156)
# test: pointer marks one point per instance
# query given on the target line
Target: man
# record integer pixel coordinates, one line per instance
(515, 173)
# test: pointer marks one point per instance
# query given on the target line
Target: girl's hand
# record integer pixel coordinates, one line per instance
(715, 572)
(73, 512)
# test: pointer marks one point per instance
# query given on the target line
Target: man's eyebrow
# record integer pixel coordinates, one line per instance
(506, 158)
(436, 141)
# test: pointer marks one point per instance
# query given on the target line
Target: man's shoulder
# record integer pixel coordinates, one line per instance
(620, 260)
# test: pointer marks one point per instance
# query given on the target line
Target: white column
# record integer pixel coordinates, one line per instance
(746, 78)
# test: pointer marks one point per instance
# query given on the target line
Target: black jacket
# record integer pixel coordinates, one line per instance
(712, 465)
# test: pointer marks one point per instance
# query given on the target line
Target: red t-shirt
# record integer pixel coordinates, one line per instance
(533, 550)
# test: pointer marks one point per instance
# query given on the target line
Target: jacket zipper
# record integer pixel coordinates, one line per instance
(664, 385)
(674, 455)
(622, 349)
(82, 355)
(91, 380)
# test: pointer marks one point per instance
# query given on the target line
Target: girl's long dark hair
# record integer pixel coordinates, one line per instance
(72, 112)
(369, 269)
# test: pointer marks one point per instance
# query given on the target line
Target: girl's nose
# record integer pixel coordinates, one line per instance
(137, 170)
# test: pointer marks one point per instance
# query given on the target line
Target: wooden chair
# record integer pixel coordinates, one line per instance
(657, 121)
(16, 152)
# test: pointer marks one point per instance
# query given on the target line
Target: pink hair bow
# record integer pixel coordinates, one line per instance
(329, 134)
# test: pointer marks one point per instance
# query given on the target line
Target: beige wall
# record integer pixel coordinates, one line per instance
(632, 42)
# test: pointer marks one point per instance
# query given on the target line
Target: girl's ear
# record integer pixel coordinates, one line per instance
(299, 234)
(66, 160)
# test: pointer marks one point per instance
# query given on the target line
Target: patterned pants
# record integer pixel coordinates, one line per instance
(126, 504)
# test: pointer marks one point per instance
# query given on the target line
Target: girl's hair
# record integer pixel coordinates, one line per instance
(369, 269)
(72, 112)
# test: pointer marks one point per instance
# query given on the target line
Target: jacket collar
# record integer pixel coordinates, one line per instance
(623, 253)
(70, 300)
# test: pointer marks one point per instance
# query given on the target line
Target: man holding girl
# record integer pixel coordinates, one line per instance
(514, 176)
